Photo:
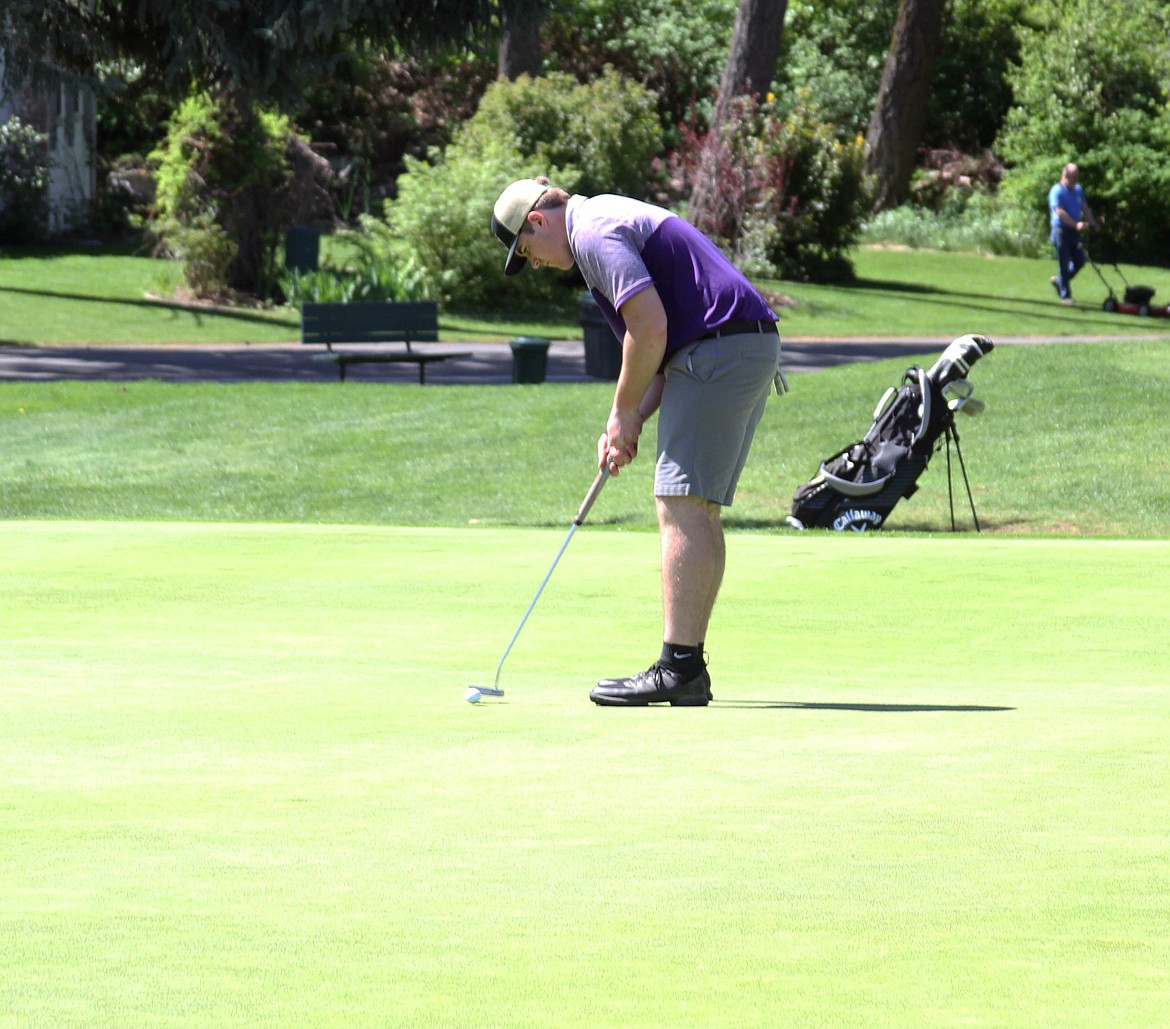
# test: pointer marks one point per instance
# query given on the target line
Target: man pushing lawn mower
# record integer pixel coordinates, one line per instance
(1069, 214)
(699, 346)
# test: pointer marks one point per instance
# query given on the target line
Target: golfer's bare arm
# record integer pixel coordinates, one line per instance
(639, 386)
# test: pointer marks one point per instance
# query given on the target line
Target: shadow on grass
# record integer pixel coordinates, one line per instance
(893, 709)
(988, 303)
(781, 526)
(198, 312)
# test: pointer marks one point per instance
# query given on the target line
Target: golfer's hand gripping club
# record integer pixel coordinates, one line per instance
(617, 448)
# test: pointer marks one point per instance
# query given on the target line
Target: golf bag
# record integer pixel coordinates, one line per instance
(857, 487)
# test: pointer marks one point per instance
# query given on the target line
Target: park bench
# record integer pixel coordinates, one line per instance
(374, 326)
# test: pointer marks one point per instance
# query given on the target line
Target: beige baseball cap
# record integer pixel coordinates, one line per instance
(509, 215)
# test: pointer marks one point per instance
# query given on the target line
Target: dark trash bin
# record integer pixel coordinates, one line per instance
(603, 350)
(302, 245)
(529, 359)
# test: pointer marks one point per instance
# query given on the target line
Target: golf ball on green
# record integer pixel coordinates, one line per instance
(472, 695)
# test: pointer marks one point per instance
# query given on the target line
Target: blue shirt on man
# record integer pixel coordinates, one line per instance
(1070, 200)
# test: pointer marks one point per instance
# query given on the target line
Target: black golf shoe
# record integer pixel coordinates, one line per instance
(659, 684)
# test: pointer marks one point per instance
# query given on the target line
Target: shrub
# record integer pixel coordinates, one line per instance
(378, 107)
(600, 137)
(24, 182)
(970, 96)
(133, 105)
(207, 254)
(443, 213)
(790, 198)
(677, 51)
(837, 49)
(605, 132)
(223, 165)
(834, 50)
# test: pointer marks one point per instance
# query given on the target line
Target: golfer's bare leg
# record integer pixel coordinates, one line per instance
(693, 558)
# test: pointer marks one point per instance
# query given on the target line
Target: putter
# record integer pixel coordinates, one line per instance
(494, 690)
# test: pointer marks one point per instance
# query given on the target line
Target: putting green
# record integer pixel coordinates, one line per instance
(240, 784)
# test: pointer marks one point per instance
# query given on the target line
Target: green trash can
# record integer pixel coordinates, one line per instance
(603, 350)
(529, 359)
(302, 247)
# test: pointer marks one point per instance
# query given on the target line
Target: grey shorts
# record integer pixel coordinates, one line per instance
(716, 391)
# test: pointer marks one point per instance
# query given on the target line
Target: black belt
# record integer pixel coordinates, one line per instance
(760, 325)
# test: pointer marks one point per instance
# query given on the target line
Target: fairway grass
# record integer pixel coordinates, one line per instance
(1072, 443)
(241, 787)
(111, 295)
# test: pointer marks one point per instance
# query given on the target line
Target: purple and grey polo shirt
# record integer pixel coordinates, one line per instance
(623, 245)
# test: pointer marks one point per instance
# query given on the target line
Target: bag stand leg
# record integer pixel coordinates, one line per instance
(953, 433)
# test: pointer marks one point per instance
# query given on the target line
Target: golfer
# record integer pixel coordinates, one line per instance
(700, 346)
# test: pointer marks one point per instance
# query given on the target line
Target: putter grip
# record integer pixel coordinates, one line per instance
(591, 496)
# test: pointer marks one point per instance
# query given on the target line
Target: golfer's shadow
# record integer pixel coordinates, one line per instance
(885, 709)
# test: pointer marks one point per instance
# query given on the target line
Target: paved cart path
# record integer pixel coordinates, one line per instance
(487, 363)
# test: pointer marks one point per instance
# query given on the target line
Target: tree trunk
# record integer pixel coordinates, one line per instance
(899, 115)
(750, 68)
(520, 41)
(754, 50)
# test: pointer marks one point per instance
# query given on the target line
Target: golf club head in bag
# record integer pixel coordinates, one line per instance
(957, 359)
(856, 488)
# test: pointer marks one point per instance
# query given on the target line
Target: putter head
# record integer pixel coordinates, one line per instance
(490, 691)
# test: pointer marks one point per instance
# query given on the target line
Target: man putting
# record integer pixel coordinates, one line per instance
(700, 346)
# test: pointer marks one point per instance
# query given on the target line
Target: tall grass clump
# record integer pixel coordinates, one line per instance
(376, 266)
(976, 221)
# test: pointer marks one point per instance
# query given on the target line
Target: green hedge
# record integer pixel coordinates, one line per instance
(24, 183)
(599, 137)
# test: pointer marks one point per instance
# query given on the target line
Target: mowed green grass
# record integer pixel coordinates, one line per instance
(79, 295)
(241, 787)
(118, 295)
(1072, 442)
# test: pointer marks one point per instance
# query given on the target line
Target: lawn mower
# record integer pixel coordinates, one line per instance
(1135, 300)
